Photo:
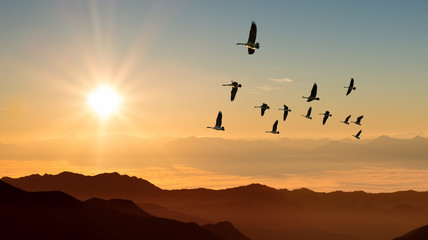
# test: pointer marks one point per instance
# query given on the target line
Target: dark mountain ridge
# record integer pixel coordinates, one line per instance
(56, 215)
(370, 216)
(420, 233)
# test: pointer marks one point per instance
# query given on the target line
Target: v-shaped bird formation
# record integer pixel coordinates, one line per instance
(252, 45)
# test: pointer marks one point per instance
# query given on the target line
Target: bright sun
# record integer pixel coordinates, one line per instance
(104, 101)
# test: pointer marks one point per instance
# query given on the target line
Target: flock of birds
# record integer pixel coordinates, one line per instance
(252, 45)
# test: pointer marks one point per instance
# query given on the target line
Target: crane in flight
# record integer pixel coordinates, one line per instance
(346, 120)
(313, 95)
(308, 115)
(358, 122)
(251, 44)
(274, 127)
(326, 115)
(218, 122)
(286, 110)
(357, 136)
(263, 108)
(350, 87)
(235, 85)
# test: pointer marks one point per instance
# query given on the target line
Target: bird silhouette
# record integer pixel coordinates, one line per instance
(313, 95)
(326, 115)
(286, 110)
(346, 120)
(263, 108)
(251, 44)
(350, 87)
(308, 115)
(218, 122)
(357, 136)
(235, 85)
(358, 122)
(275, 125)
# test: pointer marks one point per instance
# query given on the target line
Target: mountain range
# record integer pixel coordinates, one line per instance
(259, 211)
(57, 215)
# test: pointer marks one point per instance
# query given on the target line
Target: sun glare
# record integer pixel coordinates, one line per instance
(104, 101)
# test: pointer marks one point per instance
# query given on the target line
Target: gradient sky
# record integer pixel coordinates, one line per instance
(168, 60)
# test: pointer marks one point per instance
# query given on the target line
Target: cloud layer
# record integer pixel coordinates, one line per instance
(384, 164)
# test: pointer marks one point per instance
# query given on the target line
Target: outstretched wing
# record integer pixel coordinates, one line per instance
(309, 111)
(253, 33)
(251, 51)
(324, 119)
(233, 93)
(358, 134)
(275, 125)
(285, 114)
(263, 111)
(359, 118)
(314, 90)
(218, 121)
(347, 118)
(351, 86)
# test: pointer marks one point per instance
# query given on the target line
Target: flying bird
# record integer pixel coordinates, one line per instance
(251, 44)
(263, 108)
(313, 95)
(286, 110)
(308, 115)
(326, 115)
(235, 85)
(218, 122)
(358, 122)
(346, 120)
(357, 136)
(350, 87)
(275, 125)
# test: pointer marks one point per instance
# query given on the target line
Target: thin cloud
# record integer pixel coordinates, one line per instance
(267, 88)
(281, 80)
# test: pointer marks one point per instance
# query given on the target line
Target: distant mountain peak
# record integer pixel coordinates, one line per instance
(255, 186)
(105, 185)
(303, 190)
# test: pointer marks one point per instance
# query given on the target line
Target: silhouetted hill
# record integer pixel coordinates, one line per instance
(283, 212)
(226, 231)
(106, 185)
(55, 215)
(417, 234)
(120, 205)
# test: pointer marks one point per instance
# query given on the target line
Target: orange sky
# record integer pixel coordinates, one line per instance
(168, 60)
